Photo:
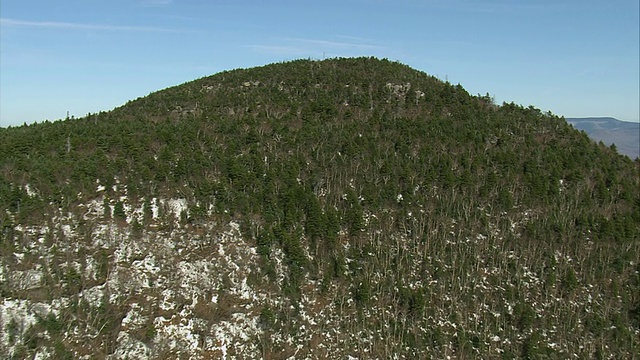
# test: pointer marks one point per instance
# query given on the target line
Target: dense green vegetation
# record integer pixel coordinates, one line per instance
(382, 183)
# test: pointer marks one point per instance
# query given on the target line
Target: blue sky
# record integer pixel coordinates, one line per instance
(575, 58)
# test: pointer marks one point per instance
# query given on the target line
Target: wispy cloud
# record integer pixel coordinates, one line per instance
(278, 50)
(156, 2)
(335, 44)
(491, 6)
(354, 39)
(79, 26)
(303, 46)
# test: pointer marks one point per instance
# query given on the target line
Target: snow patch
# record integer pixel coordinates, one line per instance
(177, 206)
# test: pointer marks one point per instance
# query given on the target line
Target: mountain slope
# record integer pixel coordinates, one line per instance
(317, 209)
(625, 135)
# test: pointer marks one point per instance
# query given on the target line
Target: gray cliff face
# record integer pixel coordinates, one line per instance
(174, 290)
(625, 135)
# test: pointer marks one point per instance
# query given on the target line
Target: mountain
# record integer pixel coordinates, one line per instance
(335, 209)
(625, 135)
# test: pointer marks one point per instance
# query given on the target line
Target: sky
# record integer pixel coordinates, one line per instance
(574, 58)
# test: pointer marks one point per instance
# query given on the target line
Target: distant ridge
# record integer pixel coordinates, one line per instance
(624, 134)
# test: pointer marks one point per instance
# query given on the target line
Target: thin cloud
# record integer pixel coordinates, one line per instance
(335, 44)
(156, 2)
(315, 47)
(355, 38)
(495, 7)
(78, 26)
(277, 50)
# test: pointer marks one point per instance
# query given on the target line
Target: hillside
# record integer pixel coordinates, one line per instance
(344, 208)
(625, 135)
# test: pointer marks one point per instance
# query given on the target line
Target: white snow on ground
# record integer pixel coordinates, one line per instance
(130, 348)
(236, 335)
(154, 208)
(25, 280)
(93, 296)
(177, 332)
(17, 316)
(30, 192)
(133, 317)
(94, 208)
(177, 206)
(173, 282)
(165, 302)
(66, 230)
(18, 312)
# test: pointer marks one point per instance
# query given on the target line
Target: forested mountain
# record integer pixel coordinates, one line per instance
(344, 208)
